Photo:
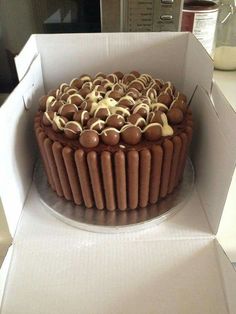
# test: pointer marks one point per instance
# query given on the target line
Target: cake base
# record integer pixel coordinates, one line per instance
(105, 221)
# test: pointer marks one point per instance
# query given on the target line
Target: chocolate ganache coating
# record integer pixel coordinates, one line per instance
(113, 109)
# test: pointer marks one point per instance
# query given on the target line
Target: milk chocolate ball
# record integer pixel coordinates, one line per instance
(135, 73)
(133, 92)
(62, 87)
(52, 92)
(122, 110)
(84, 92)
(68, 111)
(165, 99)
(131, 134)
(137, 85)
(145, 100)
(156, 117)
(142, 109)
(72, 129)
(86, 105)
(48, 117)
(42, 103)
(114, 94)
(156, 87)
(101, 113)
(180, 104)
(151, 93)
(101, 89)
(69, 90)
(59, 123)
(75, 99)
(100, 75)
(175, 116)
(128, 78)
(85, 78)
(81, 116)
(88, 85)
(115, 121)
(89, 139)
(119, 75)
(181, 96)
(96, 124)
(118, 88)
(56, 105)
(152, 132)
(97, 82)
(65, 96)
(126, 101)
(112, 78)
(159, 83)
(77, 83)
(136, 119)
(110, 136)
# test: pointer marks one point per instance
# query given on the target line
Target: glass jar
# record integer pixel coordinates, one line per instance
(225, 51)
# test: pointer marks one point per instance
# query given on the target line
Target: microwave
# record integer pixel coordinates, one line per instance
(140, 15)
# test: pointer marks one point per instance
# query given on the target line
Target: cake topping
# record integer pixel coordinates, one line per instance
(81, 116)
(75, 99)
(110, 136)
(137, 120)
(175, 116)
(131, 134)
(72, 129)
(68, 110)
(164, 98)
(142, 109)
(89, 138)
(59, 123)
(48, 117)
(153, 131)
(114, 107)
(102, 112)
(96, 124)
(115, 121)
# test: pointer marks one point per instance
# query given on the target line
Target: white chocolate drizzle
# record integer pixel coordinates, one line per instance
(166, 128)
(108, 102)
(94, 96)
(158, 105)
(109, 129)
(60, 123)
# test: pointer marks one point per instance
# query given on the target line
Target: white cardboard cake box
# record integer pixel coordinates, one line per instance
(178, 266)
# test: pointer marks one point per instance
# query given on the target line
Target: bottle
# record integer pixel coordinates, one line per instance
(225, 50)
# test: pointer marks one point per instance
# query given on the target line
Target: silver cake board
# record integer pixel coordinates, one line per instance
(94, 220)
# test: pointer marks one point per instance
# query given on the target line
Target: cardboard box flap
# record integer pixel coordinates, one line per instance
(228, 273)
(18, 145)
(226, 114)
(26, 57)
(65, 56)
(212, 157)
(198, 67)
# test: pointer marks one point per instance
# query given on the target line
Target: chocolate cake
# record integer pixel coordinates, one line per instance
(116, 141)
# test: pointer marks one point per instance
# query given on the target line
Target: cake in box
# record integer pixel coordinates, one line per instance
(114, 142)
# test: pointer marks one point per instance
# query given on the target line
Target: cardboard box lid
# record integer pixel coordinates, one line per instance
(176, 262)
(48, 60)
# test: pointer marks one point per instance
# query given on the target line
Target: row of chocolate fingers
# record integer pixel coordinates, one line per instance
(117, 180)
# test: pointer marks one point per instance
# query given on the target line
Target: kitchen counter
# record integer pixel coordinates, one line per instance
(226, 80)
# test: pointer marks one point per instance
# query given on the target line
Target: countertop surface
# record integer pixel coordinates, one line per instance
(226, 80)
